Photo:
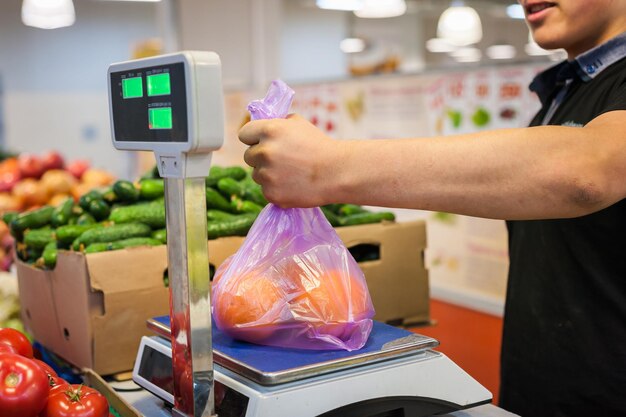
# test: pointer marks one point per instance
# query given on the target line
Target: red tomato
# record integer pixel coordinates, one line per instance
(75, 401)
(16, 339)
(47, 368)
(4, 348)
(23, 386)
(55, 381)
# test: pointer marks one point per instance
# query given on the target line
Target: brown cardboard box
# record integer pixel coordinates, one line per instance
(91, 310)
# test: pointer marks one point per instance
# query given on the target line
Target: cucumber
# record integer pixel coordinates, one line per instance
(49, 255)
(109, 195)
(215, 200)
(99, 247)
(9, 216)
(365, 218)
(29, 255)
(99, 209)
(332, 218)
(333, 207)
(121, 244)
(111, 234)
(253, 191)
(87, 198)
(34, 219)
(85, 218)
(152, 214)
(230, 187)
(39, 238)
(160, 235)
(149, 189)
(62, 213)
(244, 206)
(125, 191)
(237, 226)
(67, 234)
(216, 173)
(213, 214)
(350, 209)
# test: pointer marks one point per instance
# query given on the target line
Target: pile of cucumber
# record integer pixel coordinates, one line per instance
(133, 214)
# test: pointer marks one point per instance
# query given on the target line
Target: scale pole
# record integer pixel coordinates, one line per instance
(190, 306)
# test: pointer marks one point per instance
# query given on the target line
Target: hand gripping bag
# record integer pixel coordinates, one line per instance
(292, 283)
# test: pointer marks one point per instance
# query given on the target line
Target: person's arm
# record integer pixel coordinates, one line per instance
(526, 173)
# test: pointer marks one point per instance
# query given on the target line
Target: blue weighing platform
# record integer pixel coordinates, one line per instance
(270, 365)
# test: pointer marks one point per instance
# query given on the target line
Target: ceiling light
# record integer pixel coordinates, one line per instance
(438, 45)
(515, 11)
(48, 14)
(466, 54)
(460, 25)
(352, 45)
(376, 9)
(503, 51)
(349, 5)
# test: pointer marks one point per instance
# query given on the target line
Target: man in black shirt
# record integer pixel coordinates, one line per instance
(560, 184)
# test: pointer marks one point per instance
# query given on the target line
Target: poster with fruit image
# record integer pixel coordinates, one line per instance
(319, 104)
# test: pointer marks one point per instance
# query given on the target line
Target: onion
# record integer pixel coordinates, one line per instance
(58, 181)
(31, 192)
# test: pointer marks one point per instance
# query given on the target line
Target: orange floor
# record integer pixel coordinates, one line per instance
(470, 338)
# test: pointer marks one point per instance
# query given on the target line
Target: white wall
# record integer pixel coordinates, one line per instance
(54, 81)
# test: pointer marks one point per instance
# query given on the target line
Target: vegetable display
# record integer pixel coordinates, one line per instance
(127, 214)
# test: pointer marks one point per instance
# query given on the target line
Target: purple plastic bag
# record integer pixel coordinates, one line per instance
(292, 283)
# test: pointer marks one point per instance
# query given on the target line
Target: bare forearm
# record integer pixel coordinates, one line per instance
(541, 172)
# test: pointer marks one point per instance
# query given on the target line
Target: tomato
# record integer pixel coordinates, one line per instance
(23, 386)
(16, 339)
(4, 348)
(75, 401)
(46, 368)
(55, 381)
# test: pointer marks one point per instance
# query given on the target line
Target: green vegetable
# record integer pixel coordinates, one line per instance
(150, 189)
(237, 226)
(152, 214)
(99, 209)
(160, 235)
(332, 218)
(85, 218)
(212, 214)
(67, 234)
(215, 200)
(9, 216)
(99, 247)
(87, 198)
(111, 234)
(125, 191)
(49, 255)
(216, 173)
(231, 187)
(39, 238)
(364, 218)
(121, 244)
(350, 209)
(62, 213)
(244, 206)
(34, 219)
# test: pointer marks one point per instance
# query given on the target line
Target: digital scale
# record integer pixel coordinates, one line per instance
(173, 105)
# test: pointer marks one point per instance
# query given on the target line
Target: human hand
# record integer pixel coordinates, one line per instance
(293, 161)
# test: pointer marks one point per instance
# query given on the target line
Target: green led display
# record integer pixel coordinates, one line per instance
(160, 118)
(159, 84)
(132, 87)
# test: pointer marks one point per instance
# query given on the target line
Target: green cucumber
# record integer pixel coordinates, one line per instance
(9, 216)
(160, 235)
(215, 200)
(99, 209)
(216, 173)
(39, 238)
(85, 218)
(332, 218)
(109, 195)
(213, 214)
(49, 255)
(365, 218)
(87, 198)
(350, 209)
(333, 207)
(111, 234)
(237, 226)
(152, 214)
(34, 219)
(67, 234)
(29, 255)
(99, 247)
(62, 213)
(244, 206)
(136, 241)
(126, 191)
(150, 189)
(230, 187)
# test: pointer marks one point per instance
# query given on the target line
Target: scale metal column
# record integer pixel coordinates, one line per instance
(172, 105)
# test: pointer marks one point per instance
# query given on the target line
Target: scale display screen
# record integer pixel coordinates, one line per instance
(150, 104)
(156, 368)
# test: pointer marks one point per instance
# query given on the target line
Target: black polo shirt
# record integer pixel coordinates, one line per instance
(564, 340)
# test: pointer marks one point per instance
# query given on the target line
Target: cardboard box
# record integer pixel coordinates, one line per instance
(92, 310)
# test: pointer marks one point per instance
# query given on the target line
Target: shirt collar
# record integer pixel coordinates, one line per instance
(585, 66)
